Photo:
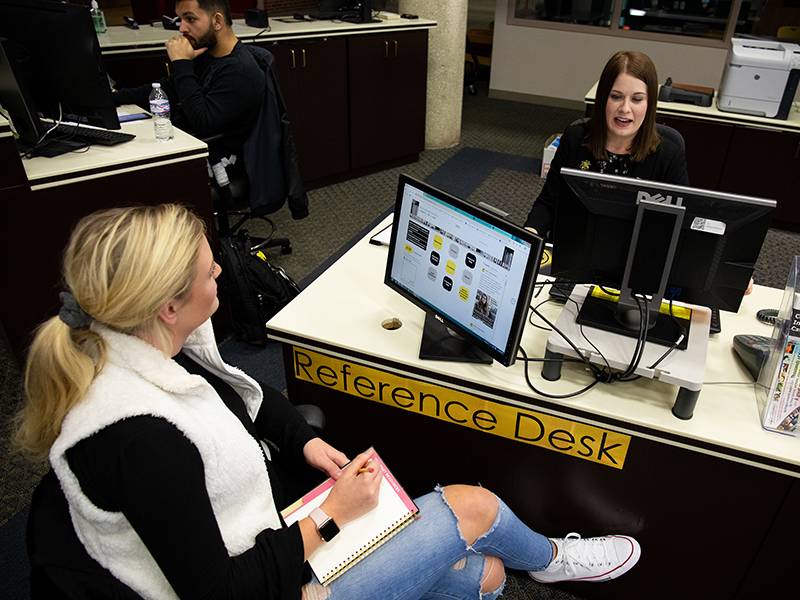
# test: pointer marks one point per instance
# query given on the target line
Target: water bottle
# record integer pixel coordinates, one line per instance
(98, 18)
(159, 107)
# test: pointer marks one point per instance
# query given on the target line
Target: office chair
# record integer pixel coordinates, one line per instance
(266, 175)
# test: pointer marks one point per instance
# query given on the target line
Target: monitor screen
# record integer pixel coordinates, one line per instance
(54, 52)
(471, 268)
(719, 241)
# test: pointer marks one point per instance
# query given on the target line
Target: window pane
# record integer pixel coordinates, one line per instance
(770, 19)
(580, 12)
(697, 18)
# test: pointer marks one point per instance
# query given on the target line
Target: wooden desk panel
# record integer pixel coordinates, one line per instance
(39, 223)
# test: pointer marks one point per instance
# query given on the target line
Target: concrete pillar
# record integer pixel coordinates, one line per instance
(445, 68)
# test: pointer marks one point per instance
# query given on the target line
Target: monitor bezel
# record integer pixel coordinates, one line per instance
(508, 355)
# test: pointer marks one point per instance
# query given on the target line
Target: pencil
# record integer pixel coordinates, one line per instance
(364, 470)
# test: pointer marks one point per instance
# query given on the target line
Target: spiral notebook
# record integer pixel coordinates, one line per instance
(360, 537)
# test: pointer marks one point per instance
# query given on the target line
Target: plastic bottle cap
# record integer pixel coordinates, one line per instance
(155, 85)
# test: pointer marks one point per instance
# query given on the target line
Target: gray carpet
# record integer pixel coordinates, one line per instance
(496, 162)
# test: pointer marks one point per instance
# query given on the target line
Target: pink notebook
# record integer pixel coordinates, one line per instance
(358, 538)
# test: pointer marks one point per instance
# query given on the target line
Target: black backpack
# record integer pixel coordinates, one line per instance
(254, 289)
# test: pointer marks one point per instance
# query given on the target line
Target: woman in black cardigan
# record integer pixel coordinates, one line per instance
(621, 137)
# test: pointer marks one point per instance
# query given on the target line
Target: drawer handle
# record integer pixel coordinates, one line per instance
(294, 60)
(797, 150)
(386, 50)
(395, 48)
(303, 51)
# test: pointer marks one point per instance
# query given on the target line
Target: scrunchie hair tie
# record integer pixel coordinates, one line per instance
(71, 312)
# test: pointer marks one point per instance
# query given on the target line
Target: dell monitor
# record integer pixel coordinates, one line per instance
(656, 241)
(471, 271)
(53, 52)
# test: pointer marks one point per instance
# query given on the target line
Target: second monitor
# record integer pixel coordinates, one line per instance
(470, 270)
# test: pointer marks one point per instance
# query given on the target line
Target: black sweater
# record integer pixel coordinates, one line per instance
(210, 96)
(147, 469)
(667, 165)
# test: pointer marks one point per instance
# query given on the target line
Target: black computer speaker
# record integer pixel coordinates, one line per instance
(256, 17)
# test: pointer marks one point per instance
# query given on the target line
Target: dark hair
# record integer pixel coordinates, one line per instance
(639, 65)
(212, 6)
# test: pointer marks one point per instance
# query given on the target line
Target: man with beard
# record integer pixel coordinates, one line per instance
(215, 85)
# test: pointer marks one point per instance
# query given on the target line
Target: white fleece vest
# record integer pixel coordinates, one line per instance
(139, 380)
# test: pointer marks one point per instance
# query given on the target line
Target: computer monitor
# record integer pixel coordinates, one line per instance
(469, 269)
(658, 240)
(53, 51)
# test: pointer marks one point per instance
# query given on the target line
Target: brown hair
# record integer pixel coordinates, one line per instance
(639, 65)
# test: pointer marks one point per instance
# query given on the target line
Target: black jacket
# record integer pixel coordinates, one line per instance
(667, 165)
(270, 156)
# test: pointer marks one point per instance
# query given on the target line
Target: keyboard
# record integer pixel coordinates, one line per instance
(101, 137)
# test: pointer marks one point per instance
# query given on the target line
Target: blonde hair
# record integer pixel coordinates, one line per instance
(121, 265)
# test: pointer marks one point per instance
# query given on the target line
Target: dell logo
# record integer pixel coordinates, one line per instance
(642, 195)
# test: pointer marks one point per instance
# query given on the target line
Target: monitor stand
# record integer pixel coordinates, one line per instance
(439, 342)
(664, 329)
(684, 368)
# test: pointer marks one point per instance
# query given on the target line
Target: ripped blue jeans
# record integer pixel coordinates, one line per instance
(429, 560)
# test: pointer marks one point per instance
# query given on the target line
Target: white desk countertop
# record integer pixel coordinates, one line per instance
(98, 161)
(345, 306)
(712, 113)
(124, 40)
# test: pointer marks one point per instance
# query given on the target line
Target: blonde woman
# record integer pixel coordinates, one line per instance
(160, 487)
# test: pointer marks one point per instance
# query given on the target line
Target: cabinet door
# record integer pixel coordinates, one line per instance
(388, 83)
(766, 163)
(706, 148)
(313, 79)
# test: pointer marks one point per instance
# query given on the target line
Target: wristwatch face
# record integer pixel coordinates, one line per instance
(328, 530)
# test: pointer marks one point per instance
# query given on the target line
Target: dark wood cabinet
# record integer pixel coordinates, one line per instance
(744, 159)
(766, 163)
(312, 75)
(707, 146)
(388, 83)
(356, 102)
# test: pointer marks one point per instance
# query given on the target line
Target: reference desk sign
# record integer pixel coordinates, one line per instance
(516, 423)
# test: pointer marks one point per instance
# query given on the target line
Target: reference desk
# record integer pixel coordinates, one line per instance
(41, 199)
(712, 499)
(741, 154)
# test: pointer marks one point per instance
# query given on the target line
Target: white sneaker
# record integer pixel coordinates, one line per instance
(592, 559)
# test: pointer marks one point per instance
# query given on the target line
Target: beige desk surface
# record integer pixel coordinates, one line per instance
(5, 129)
(98, 161)
(123, 40)
(712, 113)
(345, 306)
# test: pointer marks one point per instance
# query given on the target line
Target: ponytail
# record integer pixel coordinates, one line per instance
(62, 363)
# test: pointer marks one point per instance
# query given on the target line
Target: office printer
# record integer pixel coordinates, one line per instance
(760, 78)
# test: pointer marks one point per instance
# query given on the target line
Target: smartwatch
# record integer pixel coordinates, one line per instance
(326, 527)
